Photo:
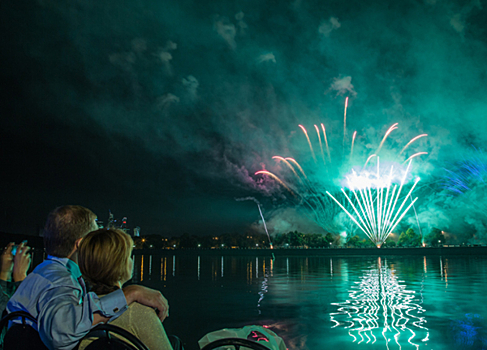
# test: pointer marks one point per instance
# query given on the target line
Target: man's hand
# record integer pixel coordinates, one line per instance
(148, 297)
(21, 262)
(97, 318)
(7, 261)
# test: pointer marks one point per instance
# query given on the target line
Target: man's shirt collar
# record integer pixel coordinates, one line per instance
(70, 265)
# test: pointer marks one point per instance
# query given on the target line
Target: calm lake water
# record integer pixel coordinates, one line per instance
(399, 302)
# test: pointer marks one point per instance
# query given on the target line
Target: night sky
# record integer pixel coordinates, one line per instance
(162, 111)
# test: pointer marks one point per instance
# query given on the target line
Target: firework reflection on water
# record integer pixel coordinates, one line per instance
(381, 310)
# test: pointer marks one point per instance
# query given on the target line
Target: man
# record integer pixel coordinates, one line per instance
(55, 294)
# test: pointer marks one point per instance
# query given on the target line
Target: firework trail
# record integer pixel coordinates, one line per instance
(321, 145)
(415, 155)
(468, 178)
(299, 166)
(309, 142)
(260, 211)
(468, 174)
(370, 157)
(393, 127)
(326, 142)
(353, 141)
(288, 164)
(417, 220)
(276, 178)
(248, 199)
(345, 123)
(265, 226)
(412, 140)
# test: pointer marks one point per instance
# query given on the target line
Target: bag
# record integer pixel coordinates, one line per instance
(258, 334)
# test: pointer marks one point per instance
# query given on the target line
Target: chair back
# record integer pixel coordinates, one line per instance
(106, 341)
(236, 343)
(20, 336)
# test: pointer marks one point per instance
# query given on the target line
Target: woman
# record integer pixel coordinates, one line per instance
(104, 258)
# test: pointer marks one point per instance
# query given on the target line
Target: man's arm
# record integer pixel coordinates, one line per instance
(142, 295)
(64, 318)
(64, 321)
(148, 297)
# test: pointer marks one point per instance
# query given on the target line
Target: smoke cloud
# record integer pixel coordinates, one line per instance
(226, 30)
(207, 93)
(343, 86)
(327, 27)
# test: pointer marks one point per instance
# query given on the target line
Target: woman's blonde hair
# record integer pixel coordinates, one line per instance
(103, 257)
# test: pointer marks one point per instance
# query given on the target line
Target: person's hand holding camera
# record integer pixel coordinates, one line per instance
(21, 260)
(7, 261)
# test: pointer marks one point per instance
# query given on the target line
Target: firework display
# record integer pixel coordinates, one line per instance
(378, 215)
(373, 197)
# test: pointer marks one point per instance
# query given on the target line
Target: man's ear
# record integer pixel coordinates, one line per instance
(78, 242)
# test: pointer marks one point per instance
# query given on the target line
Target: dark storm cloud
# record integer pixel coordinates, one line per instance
(199, 95)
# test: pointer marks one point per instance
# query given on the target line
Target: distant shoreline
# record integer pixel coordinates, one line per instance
(418, 251)
(36, 243)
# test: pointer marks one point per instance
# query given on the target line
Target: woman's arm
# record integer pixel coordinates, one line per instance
(147, 326)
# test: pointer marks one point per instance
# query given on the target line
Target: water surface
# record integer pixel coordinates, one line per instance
(368, 302)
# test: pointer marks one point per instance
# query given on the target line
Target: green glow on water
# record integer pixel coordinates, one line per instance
(313, 303)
